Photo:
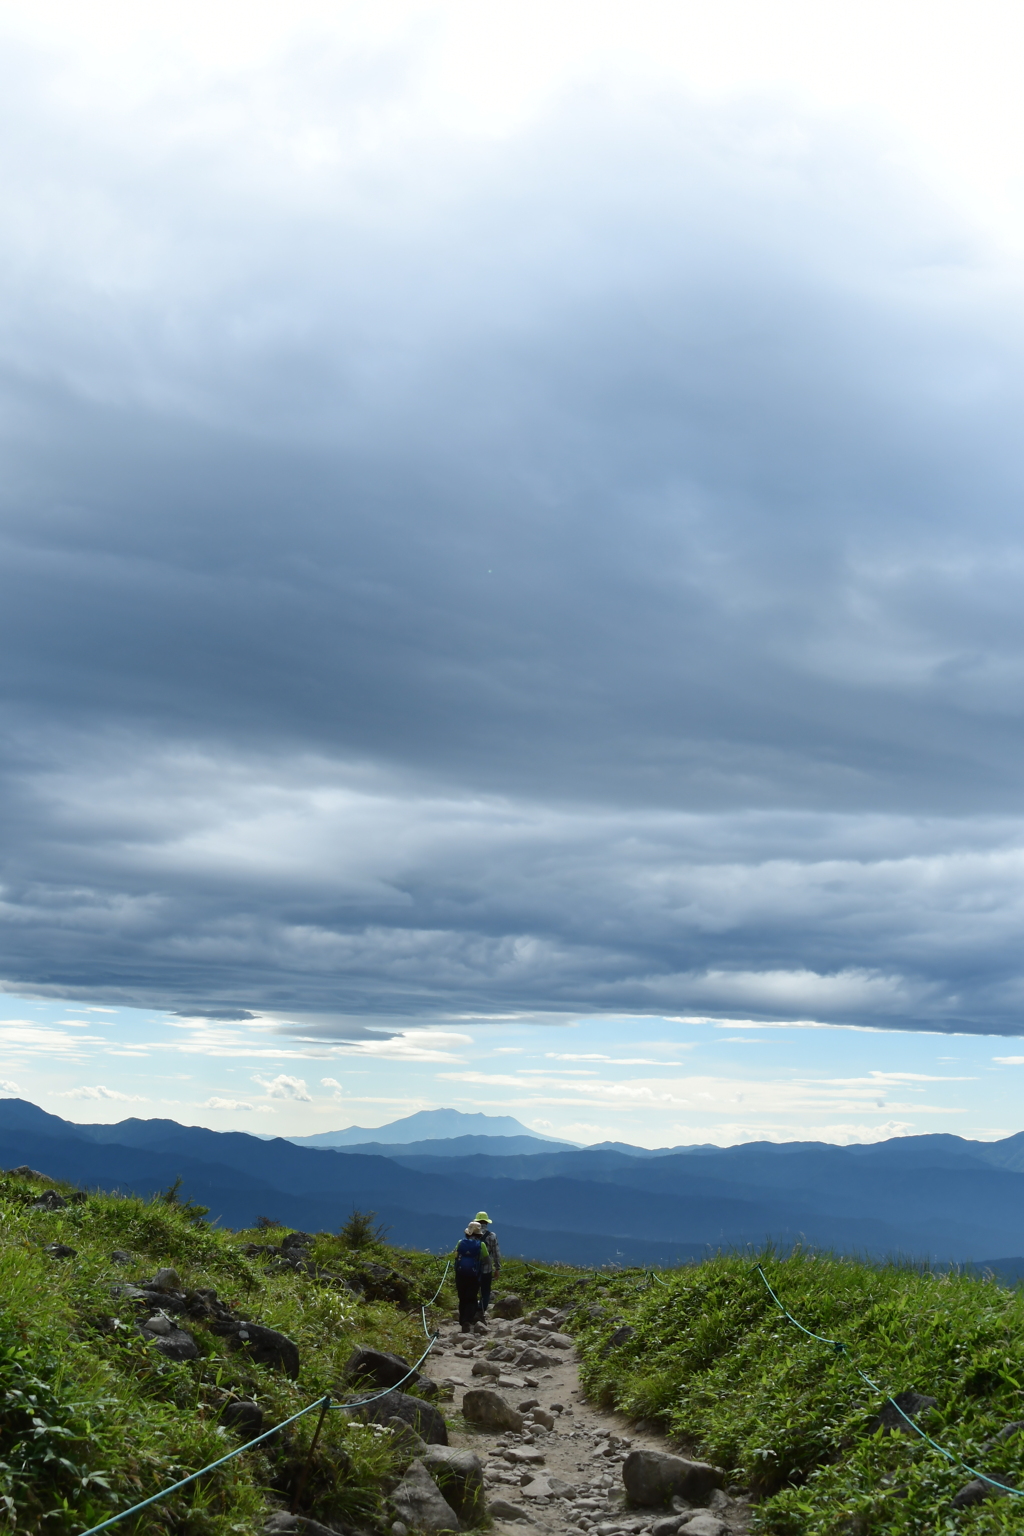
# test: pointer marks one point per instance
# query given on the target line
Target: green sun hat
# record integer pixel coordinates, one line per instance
(481, 1216)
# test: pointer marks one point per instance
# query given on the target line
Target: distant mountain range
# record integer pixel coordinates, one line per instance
(428, 1125)
(935, 1198)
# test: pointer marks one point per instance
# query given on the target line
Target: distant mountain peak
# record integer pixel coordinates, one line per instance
(424, 1125)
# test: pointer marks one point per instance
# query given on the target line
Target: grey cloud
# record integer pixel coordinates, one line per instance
(586, 577)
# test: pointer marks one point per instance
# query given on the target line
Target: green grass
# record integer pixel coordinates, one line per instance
(715, 1364)
(93, 1419)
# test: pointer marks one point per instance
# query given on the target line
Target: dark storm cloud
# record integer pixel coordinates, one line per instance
(586, 577)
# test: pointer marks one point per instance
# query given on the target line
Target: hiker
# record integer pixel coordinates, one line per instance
(468, 1258)
(490, 1267)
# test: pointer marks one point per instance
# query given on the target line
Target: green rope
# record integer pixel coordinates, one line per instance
(840, 1349)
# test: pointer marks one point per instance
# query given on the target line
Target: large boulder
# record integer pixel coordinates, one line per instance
(50, 1201)
(420, 1503)
(460, 1477)
(425, 1419)
(651, 1478)
(488, 1410)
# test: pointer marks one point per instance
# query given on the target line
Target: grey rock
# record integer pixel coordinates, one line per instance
(404, 1439)
(425, 1419)
(264, 1345)
(60, 1251)
(704, 1524)
(244, 1417)
(504, 1509)
(561, 1489)
(119, 1256)
(164, 1280)
(1006, 1433)
(531, 1402)
(976, 1492)
(537, 1486)
(25, 1172)
(667, 1526)
(541, 1416)
(460, 1477)
(620, 1336)
(419, 1503)
(284, 1524)
(49, 1201)
(176, 1343)
(651, 1478)
(533, 1357)
(914, 1404)
(559, 1341)
(485, 1368)
(488, 1409)
(383, 1369)
(399, 1528)
(507, 1306)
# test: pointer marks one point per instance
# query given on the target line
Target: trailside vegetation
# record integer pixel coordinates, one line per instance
(94, 1418)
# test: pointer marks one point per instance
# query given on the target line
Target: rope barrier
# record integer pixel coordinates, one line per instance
(324, 1403)
(839, 1348)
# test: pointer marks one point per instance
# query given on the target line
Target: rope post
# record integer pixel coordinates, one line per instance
(304, 1474)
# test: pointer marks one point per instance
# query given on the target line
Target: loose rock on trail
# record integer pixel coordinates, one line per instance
(561, 1474)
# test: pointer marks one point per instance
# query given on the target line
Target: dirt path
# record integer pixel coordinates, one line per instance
(582, 1451)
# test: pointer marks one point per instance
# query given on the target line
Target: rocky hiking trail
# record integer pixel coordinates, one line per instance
(551, 1461)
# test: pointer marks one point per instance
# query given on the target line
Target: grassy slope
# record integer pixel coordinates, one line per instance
(94, 1419)
(717, 1365)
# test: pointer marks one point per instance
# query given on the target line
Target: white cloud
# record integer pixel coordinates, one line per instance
(283, 1087)
(1009, 1061)
(329, 1082)
(101, 1092)
(218, 1103)
(9, 1090)
(410, 1045)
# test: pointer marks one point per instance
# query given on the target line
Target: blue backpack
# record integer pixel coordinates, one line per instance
(467, 1256)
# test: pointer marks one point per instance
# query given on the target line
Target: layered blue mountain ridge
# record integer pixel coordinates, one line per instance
(937, 1198)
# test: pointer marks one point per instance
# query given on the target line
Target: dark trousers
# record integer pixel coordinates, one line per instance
(468, 1288)
(485, 1292)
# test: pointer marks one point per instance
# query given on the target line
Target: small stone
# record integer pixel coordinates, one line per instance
(165, 1280)
(399, 1528)
(504, 1509)
(666, 1526)
(488, 1409)
(507, 1306)
(50, 1201)
(557, 1407)
(485, 1368)
(913, 1404)
(425, 1419)
(704, 1524)
(176, 1343)
(531, 1402)
(620, 1336)
(264, 1345)
(244, 1417)
(159, 1324)
(119, 1256)
(976, 1492)
(539, 1416)
(405, 1439)
(533, 1357)
(559, 1341)
(60, 1251)
(383, 1369)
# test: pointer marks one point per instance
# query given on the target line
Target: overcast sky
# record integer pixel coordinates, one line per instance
(514, 514)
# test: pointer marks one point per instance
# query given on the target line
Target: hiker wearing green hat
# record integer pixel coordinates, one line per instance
(490, 1256)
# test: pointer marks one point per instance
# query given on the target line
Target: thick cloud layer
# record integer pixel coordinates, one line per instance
(579, 571)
